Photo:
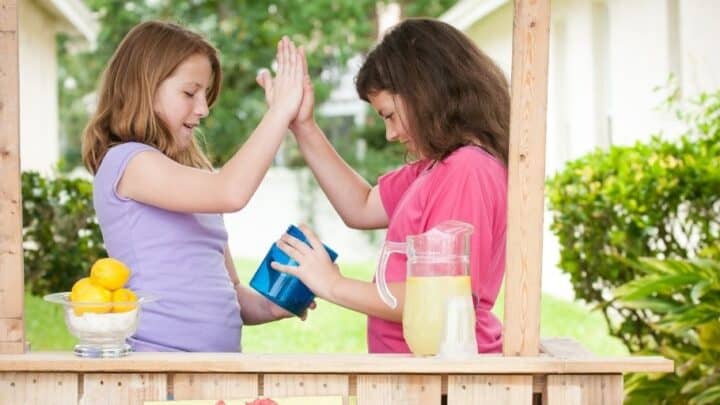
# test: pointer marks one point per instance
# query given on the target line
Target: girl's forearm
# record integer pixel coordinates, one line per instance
(347, 191)
(254, 308)
(362, 296)
(242, 174)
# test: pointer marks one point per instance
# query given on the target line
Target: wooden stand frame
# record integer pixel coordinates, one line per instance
(559, 371)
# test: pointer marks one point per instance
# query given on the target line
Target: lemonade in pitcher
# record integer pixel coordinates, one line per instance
(425, 310)
(437, 270)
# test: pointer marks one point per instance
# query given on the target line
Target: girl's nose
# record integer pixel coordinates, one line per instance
(390, 134)
(201, 107)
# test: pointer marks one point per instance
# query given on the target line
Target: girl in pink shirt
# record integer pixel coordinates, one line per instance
(448, 104)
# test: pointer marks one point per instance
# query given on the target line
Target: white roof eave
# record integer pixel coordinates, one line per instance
(75, 18)
(467, 12)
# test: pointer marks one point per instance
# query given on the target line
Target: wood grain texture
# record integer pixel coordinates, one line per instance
(330, 363)
(526, 177)
(11, 255)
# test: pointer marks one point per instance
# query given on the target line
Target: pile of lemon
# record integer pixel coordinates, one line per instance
(105, 288)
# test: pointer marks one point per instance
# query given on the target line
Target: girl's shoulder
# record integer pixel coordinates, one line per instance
(125, 148)
(472, 158)
(118, 155)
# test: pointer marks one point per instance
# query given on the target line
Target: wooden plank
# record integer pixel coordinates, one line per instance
(490, 389)
(526, 177)
(585, 389)
(11, 255)
(122, 389)
(398, 390)
(12, 347)
(39, 388)
(306, 385)
(214, 386)
(339, 363)
(565, 348)
(8, 15)
(11, 330)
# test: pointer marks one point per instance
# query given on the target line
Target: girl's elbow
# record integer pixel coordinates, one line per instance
(358, 223)
(233, 201)
(353, 222)
(349, 222)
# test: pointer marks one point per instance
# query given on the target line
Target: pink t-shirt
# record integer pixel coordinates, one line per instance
(470, 185)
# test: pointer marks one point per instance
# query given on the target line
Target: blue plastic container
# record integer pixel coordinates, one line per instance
(281, 288)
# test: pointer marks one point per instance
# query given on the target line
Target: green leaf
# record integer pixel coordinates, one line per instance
(657, 305)
(709, 396)
(646, 286)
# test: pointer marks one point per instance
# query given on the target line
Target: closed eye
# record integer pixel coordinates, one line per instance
(189, 94)
(387, 117)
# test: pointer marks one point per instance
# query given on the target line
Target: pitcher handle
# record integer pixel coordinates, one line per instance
(380, 283)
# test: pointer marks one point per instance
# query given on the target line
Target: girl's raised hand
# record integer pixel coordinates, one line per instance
(306, 111)
(305, 114)
(286, 90)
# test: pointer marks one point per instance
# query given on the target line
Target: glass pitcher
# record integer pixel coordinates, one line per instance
(438, 263)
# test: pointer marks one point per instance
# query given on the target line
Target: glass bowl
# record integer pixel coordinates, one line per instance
(100, 332)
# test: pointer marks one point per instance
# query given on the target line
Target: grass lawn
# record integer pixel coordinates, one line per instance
(330, 328)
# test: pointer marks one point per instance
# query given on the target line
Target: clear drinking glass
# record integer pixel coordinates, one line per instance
(458, 335)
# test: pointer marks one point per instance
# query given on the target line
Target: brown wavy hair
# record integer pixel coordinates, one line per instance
(454, 94)
(148, 54)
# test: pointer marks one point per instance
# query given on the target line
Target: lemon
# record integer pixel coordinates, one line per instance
(93, 294)
(123, 300)
(79, 285)
(109, 273)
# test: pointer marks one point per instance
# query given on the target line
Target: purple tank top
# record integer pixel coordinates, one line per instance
(175, 256)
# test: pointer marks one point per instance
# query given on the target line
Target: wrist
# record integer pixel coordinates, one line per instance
(270, 315)
(305, 128)
(334, 290)
(277, 114)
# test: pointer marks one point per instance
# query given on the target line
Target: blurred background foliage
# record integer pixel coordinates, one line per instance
(639, 233)
(684, 298)
(246, 34)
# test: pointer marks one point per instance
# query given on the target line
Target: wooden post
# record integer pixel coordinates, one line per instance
(12, 329)
(526, 177)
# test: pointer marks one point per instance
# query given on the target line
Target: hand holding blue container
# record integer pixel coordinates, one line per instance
(285, 290)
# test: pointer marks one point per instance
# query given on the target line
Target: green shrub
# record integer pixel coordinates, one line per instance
(656, 199)
(61, 237)
(684, 299)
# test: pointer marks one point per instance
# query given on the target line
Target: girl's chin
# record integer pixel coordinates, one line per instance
(184, 138)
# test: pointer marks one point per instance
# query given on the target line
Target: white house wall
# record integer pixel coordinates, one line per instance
(700, 49)
(640, 61)
(39, 140)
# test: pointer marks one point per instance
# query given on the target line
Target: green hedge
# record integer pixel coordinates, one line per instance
(684, 297)
(657, 199)
(61, 237)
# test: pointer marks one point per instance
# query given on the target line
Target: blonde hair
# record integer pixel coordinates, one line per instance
(148, 54)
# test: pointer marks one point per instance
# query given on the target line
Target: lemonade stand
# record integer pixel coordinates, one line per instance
(530, 370)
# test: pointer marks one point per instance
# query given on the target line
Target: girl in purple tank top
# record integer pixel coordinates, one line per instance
(159, 202)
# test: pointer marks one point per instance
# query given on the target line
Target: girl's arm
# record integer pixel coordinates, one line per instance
(357, 203)
(254, 308)
(153, 178)
(323, 277)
